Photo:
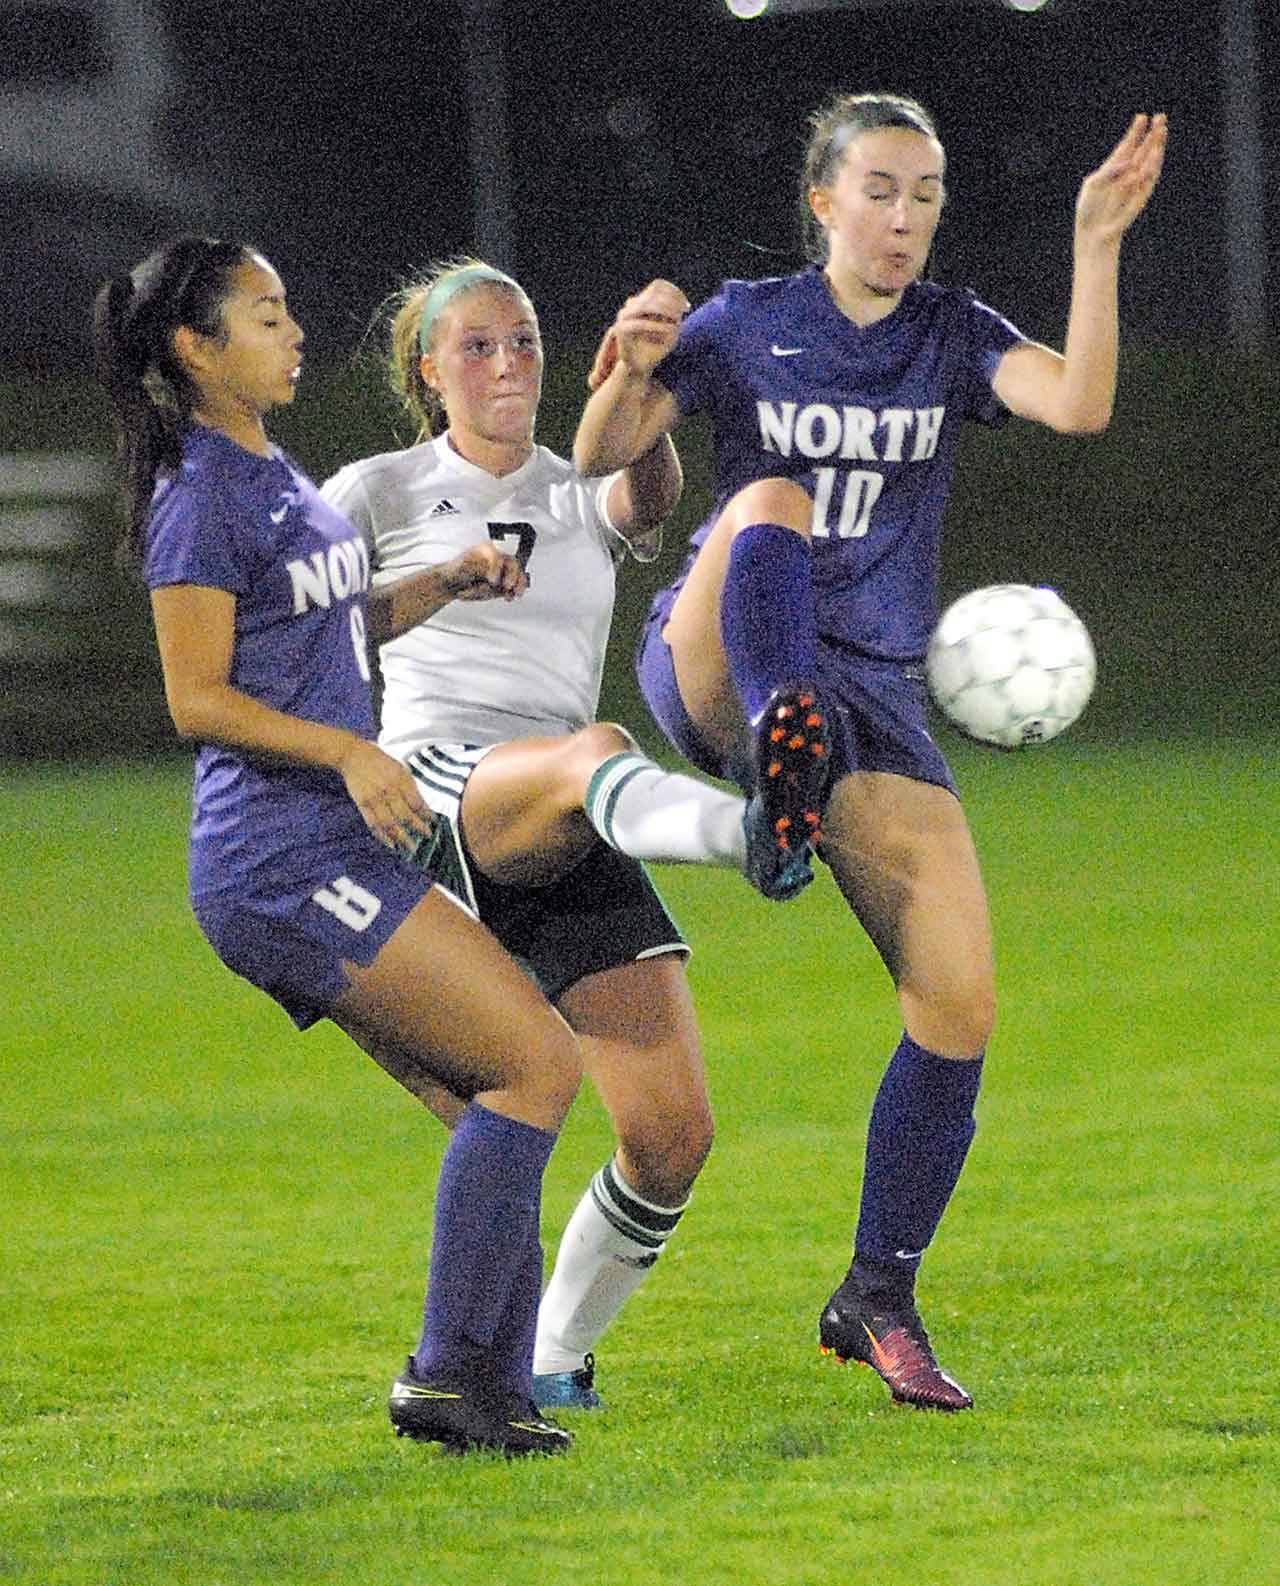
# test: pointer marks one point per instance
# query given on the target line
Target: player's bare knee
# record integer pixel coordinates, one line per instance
(548, 1070)
(602, 739)
(977, 1028)
(568, 770)
(780, 501)
(665, 1155)
(954, 1020)
(969, 1020)
(583, 753)
(563, 1075)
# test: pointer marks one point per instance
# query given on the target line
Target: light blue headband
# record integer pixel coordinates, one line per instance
(448, 287)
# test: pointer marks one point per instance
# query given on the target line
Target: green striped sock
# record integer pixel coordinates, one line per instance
(664, 816)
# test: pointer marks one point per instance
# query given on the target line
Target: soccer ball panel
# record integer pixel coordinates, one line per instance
(1053, 642)
(1010, 665)
(1074, 688)
(994, 653)
(1030, 691)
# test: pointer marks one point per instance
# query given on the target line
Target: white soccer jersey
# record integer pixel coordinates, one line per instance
(484, 671)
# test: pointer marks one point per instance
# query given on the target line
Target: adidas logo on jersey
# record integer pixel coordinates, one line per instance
(442, 509)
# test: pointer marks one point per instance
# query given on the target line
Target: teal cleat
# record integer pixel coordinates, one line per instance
(568, 1390)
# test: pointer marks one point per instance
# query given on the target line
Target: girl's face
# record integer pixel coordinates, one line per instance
(882, 208)
(255, 363)
(486, 363)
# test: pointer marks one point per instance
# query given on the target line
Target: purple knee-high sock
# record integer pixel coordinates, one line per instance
(511, 1353)
(921, 1127)
(488, 1198)
(767, 620)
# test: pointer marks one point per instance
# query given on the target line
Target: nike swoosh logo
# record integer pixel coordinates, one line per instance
(908, 1255)
(784, 352)
(278, 516)
(404, 1390)
(886, 1360)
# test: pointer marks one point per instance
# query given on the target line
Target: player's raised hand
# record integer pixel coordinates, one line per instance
(643, 333)
(1112, 197)
(386, 795)
(483, 571)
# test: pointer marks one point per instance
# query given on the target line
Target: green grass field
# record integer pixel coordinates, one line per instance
(214, 1233)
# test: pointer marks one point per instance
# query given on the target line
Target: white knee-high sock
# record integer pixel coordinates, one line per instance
(608, 1246)
(664, 816)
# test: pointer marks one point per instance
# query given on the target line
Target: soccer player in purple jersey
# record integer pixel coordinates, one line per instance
(297, 875)
(788, 652)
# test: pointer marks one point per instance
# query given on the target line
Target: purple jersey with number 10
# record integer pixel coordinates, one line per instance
(299, 571)
(864, 418)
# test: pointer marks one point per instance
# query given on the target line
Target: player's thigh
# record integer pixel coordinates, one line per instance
(692, 630)
(902, 854)
(522, 807)
(640, 1047)
(443, 989)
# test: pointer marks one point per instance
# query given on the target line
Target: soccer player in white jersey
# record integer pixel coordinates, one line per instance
(835, 396)
(491, 703)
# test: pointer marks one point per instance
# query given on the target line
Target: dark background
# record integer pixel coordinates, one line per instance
(665, 138)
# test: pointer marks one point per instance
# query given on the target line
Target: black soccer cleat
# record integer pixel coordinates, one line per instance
(894, 1344)
(465, 1416)
(783, 819)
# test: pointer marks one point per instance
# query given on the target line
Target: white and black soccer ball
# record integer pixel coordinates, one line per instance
(1010, 665)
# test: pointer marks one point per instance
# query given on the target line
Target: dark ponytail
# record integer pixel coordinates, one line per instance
(152, 394)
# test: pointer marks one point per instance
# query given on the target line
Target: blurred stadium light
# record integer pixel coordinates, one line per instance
(748, 10)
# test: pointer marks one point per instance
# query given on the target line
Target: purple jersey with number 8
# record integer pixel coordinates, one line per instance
(864, 418)
(299, 571)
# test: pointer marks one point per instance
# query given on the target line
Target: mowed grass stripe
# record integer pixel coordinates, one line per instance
(214, 1231)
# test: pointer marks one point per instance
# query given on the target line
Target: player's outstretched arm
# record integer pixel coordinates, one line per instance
(1074, 391)
(628, 411)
